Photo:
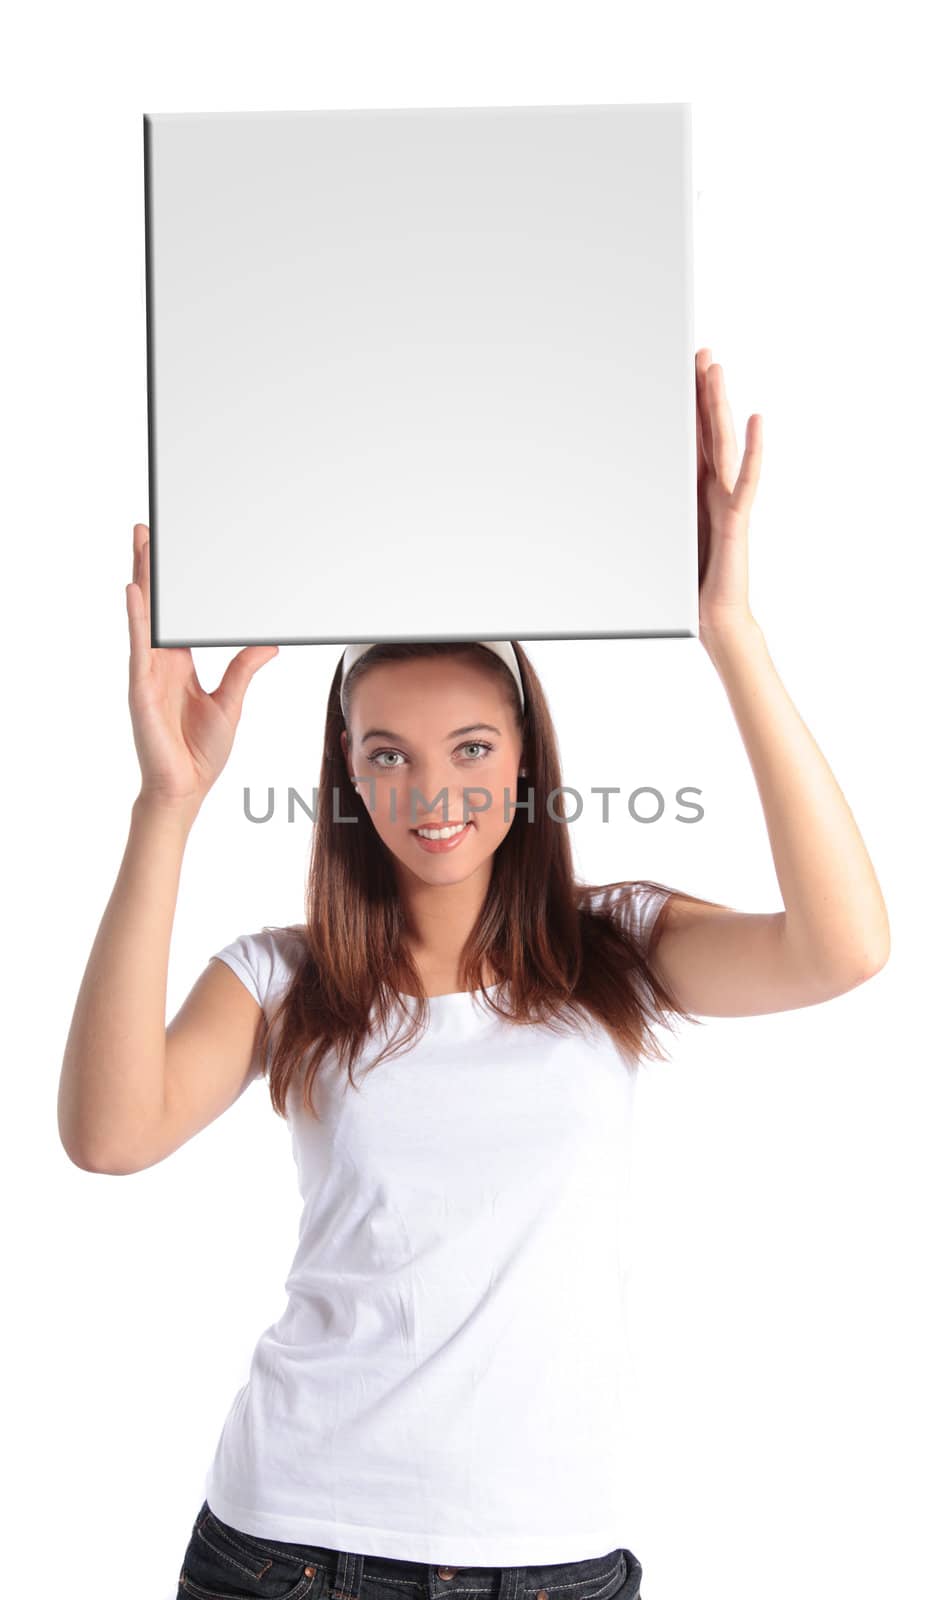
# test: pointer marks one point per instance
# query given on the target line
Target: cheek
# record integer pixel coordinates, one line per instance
(500, 788)
(387, 806)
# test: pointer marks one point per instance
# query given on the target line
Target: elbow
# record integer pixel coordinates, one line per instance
(76, 1150)
(876, 955)
(73, 1149)
(87, 1160)
(110, 1169)
(87, 1149)
(876, 964)
(828, 981)
(871, 961)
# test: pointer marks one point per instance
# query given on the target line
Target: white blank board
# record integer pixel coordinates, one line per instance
(421, 374)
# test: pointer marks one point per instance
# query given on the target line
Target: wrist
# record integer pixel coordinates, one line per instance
(728, 628)
(173, 811)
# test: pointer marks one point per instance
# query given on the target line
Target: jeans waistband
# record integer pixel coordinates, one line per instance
(594, 1578)
(343, 1574)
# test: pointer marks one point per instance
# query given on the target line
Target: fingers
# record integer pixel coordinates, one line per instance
(749, 476)
(238, 674)
(142, 563)
(138, 609)
(725, 452)
(701, 364)
(717, 442)
(139, 636)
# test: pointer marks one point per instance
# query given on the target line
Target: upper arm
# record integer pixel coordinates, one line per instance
(724, 963)
(210, 1059)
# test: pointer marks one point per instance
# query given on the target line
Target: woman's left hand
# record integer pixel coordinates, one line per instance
(724, 501)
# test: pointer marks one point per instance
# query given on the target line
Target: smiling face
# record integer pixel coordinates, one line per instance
(434, 741)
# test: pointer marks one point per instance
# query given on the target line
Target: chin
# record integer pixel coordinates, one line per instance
(437, 866)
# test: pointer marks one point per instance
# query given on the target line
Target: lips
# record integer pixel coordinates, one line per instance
(445, 844)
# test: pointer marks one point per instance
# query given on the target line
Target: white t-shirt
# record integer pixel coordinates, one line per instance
(449, 1380)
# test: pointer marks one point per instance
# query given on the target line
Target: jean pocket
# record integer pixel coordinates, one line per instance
(223, 1563)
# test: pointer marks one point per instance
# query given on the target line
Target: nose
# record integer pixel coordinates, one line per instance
(432, 807)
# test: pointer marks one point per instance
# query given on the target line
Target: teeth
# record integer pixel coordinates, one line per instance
(442, 833)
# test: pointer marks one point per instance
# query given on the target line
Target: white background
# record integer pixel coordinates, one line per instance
(785, 1290)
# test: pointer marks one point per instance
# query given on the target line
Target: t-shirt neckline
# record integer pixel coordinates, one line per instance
(456, 994)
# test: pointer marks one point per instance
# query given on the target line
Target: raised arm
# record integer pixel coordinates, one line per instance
(112, 1088)
(834, 932)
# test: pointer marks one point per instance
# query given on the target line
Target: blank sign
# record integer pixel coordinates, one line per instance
(421, 374)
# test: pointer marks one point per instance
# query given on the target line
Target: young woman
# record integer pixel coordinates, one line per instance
(452, 1033)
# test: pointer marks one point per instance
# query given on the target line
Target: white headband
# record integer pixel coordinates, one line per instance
(503, 648)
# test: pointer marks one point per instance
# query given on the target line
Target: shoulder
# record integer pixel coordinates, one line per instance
(265, 961)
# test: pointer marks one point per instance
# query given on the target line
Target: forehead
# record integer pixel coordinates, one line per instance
(427, 697)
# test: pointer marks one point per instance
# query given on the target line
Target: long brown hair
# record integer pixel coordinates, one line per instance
(561, 959)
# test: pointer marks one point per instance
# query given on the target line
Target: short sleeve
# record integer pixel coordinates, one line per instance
(636, 906)
(642, 905)
(251, 958)
(265, 962)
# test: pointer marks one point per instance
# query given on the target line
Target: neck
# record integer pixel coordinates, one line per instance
(440, 917)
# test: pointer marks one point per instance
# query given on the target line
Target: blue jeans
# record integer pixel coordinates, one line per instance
(222, 1563)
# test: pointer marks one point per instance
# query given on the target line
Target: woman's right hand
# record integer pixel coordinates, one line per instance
(183, 735)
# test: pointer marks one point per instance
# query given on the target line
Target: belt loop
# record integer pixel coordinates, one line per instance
(349, 1569)
(510, 1584)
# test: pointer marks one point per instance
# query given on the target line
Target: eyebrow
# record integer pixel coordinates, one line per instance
(385, 733)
